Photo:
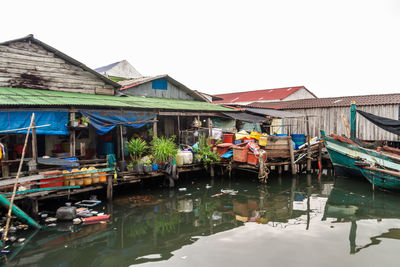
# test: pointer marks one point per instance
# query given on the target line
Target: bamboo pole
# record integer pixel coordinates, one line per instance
(16, 179)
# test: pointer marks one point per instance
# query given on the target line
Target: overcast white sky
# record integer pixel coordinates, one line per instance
(340, 47)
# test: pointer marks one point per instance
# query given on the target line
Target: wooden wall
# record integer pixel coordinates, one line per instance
(172, 92)
(27, 65)
(330, 120)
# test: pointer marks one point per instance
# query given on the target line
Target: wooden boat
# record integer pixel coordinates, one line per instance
(344, 153)
(379, 177)
(96, 218)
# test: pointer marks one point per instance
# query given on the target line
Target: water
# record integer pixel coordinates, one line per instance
(304, 221)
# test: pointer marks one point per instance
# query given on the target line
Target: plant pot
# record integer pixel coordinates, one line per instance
(155, 167)
(122, 165)
(130, 169)
(74, 123)
(147, 168)
(138, 168)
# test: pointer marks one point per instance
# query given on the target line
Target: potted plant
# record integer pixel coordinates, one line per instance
(136, 147)
(84, 121)
(161, 148)
(147, 166)
(205, 152)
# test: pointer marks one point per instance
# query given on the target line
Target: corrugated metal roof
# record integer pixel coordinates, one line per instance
(343, 101)
(63, 56)
(126, 84)
(274, 113)
(259, 95)
(31, 97)
(242, 116)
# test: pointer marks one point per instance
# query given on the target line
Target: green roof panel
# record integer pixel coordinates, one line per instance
(33, 97)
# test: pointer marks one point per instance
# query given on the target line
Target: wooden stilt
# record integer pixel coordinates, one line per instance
(155, 127)
(35, 207)
(280, 169)
(308, 146)
(212, 170)
(109, 187)
(293, 167)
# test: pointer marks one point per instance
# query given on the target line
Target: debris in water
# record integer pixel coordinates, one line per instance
(51, 219)
(217, 195)
(229, 191)
(44, 215)
(208, 186)
(12, 238)
(182, 189)
(241, 218)
(20, 240)
(52, 225)
(150, 257)
(76, 221)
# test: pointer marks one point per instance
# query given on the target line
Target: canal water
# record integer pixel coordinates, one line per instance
(300, 221)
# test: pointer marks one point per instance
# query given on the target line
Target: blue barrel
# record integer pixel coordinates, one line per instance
(298, 139)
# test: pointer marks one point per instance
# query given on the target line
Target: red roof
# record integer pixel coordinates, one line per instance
(258, 95)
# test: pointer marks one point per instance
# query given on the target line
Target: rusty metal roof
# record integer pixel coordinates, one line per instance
(343, 101)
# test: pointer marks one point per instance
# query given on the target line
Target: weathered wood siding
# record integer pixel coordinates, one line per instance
(28, 65)
(172, 91)
(330, 120)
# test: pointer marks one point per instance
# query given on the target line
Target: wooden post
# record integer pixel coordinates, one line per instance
(179, 129)
(72, 136)
(35, 207)
(209, 125)
(155, 126)
(5, 170)
(122, 142)
(280, 169)
(293, 166)
(109, 187)
(34, 143)
(308, 146)
(320, 157)
(353, 124)
(212, 170)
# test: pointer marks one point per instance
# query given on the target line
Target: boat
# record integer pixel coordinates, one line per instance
(381, 178)
(96, 218)
(352, 157)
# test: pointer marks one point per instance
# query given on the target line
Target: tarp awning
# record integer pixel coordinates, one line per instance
(106, 120)
(387, 124)
(245, 117)
(274, 113)
(58, 120)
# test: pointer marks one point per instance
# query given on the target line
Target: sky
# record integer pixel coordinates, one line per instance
(333, 48)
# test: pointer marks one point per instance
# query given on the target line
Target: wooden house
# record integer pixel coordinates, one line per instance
(329, 114)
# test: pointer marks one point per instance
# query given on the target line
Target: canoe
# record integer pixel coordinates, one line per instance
(96, 218)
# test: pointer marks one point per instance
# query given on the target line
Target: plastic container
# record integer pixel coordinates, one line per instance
(281, 135)
(66, 178)
(184, 157)
(103, 178)
(253, 159)
(298, 139)
(240, 153)
(228, 138)
(155, 167)
(95, 175)
(57, 181)
(263, 141)
(66, 213)
(223, 148)
(236, 142)
(77, 181)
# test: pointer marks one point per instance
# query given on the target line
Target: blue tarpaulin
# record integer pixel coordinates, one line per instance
(105, 120)
(10, 120)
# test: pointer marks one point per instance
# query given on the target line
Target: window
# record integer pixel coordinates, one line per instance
(160, 84)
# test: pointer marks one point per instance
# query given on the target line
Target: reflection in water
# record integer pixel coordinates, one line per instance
(349, 201)
(149, 227)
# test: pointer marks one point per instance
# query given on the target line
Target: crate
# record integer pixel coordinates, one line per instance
(223, 148)
(253, 159)
(57, 181)
(240, 153)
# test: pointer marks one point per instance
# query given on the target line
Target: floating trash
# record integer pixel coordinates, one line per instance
(182, 189)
